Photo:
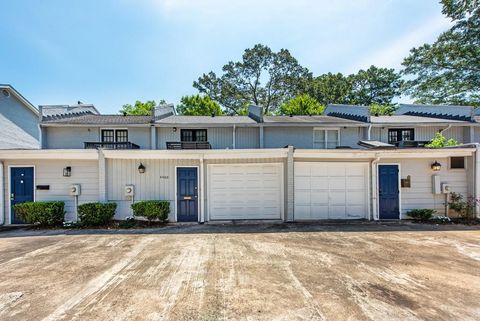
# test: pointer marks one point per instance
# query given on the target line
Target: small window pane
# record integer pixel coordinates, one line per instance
(186, 135)
(392, 136)
(319, 136)
(122, 136)
(457, 162)
(108, 136)
(201, 135)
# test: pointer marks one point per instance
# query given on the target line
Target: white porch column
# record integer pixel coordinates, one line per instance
(202, 191)
(153, 137)
(2, 194)
(102, 182)
(234, 136)
(477, 180)
(374, 190)
(261, 136)
(290, 185)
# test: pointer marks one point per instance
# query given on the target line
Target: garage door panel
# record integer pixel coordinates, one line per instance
(331, 191)
(245, 191)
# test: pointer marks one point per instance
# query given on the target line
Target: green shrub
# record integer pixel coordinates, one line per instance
(42, 213)
(152, 210)
(96, 214)
(441, 141)
(421, 214)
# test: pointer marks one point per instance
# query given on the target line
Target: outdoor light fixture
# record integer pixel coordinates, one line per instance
(67, 171)
(141, 168)
(436, 166)
(174, 129)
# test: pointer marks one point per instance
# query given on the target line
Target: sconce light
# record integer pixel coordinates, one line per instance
(436, 166)
(141, 168)
(174, 129)
(67, 171)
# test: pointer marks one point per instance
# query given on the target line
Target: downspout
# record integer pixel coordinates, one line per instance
(234, 136)
(369, 132)
(373, 215)
(2, 195)
(445, 129)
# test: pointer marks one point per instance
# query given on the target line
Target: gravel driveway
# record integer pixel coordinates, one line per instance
(262, 272)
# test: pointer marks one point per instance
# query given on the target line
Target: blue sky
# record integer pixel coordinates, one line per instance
(112, 52)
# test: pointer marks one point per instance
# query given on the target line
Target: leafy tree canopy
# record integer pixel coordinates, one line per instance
(140, 108)
(302, 105)
(372, 86)
(448, 71)
(381, 110)
(197, 105)
(263, 77)
(441, 141)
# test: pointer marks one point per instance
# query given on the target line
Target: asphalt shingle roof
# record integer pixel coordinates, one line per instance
(308, 120)
(101, 120)
(407, 119)
(178, 119)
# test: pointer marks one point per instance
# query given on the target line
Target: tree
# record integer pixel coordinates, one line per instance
(302, 105)
(375, 86)
(331, 89)
(196, 105)
(448, 71)
(263, 77)
(441, 141)
(140, 108)
(381, 110)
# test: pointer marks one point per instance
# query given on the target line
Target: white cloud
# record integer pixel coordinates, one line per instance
(392, 55)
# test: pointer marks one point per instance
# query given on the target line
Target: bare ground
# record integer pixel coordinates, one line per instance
(236, 273)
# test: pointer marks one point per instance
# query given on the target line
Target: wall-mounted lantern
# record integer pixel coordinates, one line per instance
(174, 129)
(141, 168)
(67, 171)
(436, 166)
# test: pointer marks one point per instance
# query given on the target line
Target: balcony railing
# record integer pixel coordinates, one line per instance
(104, 145)
(188, 145)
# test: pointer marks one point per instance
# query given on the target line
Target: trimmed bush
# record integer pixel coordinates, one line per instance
(152, 210)
(421, 214)
(41, 213)
(96, 214)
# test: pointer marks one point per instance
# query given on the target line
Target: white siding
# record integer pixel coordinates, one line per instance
(50, 172)
(279, 137)
(420, 194)
(157, 183)
(422, 133)
(350, 136)
(219, 138)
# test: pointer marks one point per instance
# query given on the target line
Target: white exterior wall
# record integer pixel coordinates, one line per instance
(420, 194)
(50, 172)
(247, 137)
(218, 137)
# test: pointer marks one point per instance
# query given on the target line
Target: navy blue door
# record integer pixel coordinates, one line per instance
(21, 189)
(388, 192)
(187, 194)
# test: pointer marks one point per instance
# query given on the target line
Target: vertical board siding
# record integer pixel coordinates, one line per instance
(50, 172)
(139, 136)
(278, 137)
(420, 194)
(219, 138)
(350, 136)
(157, 183)
(167, 134)
(70, 137)
(422, 133)
(247, 137)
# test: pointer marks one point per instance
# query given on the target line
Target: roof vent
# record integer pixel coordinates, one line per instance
(79, 102)
(124, 113)
(291, 115)
(213, 114)
(6, 93)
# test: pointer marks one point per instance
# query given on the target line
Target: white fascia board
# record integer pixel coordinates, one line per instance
(375, 153)
(109, 125)
(196, 154)
(82, 154)
(198, 125)
(320, 125)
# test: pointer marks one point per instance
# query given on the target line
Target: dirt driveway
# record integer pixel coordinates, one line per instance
(287, 272)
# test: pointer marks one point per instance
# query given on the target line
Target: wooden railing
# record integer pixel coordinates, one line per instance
(188, 145)
(96, 145)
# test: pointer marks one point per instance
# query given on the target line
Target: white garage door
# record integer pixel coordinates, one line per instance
(330, 190)
(245, 191)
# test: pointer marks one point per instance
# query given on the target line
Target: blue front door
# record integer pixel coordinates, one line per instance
(187, 194)
(388, 192)
(21, 189)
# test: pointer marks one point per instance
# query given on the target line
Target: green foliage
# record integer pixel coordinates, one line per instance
(302, 105)
(263, 77)
(465, 208)
(447, 71)
(129, 222)
(381, 110)
(441, 141)
(197, 105)
(140, 108)
(367, 87)
(152, 210)
(96, 214)
(42, 213)
(421, 214)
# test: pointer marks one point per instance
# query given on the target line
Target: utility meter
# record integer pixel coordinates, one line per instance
(75, 190)
(129, 190)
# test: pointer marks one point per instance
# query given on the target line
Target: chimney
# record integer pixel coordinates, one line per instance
(255, 113)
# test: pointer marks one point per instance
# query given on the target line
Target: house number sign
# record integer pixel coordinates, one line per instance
(163, 177)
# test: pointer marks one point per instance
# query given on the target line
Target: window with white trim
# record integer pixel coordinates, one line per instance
(326, 138)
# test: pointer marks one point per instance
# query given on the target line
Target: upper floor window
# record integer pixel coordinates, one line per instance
(114, 135)
(326, 138)
(457, 162)
(193, 135)
(396, 135)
